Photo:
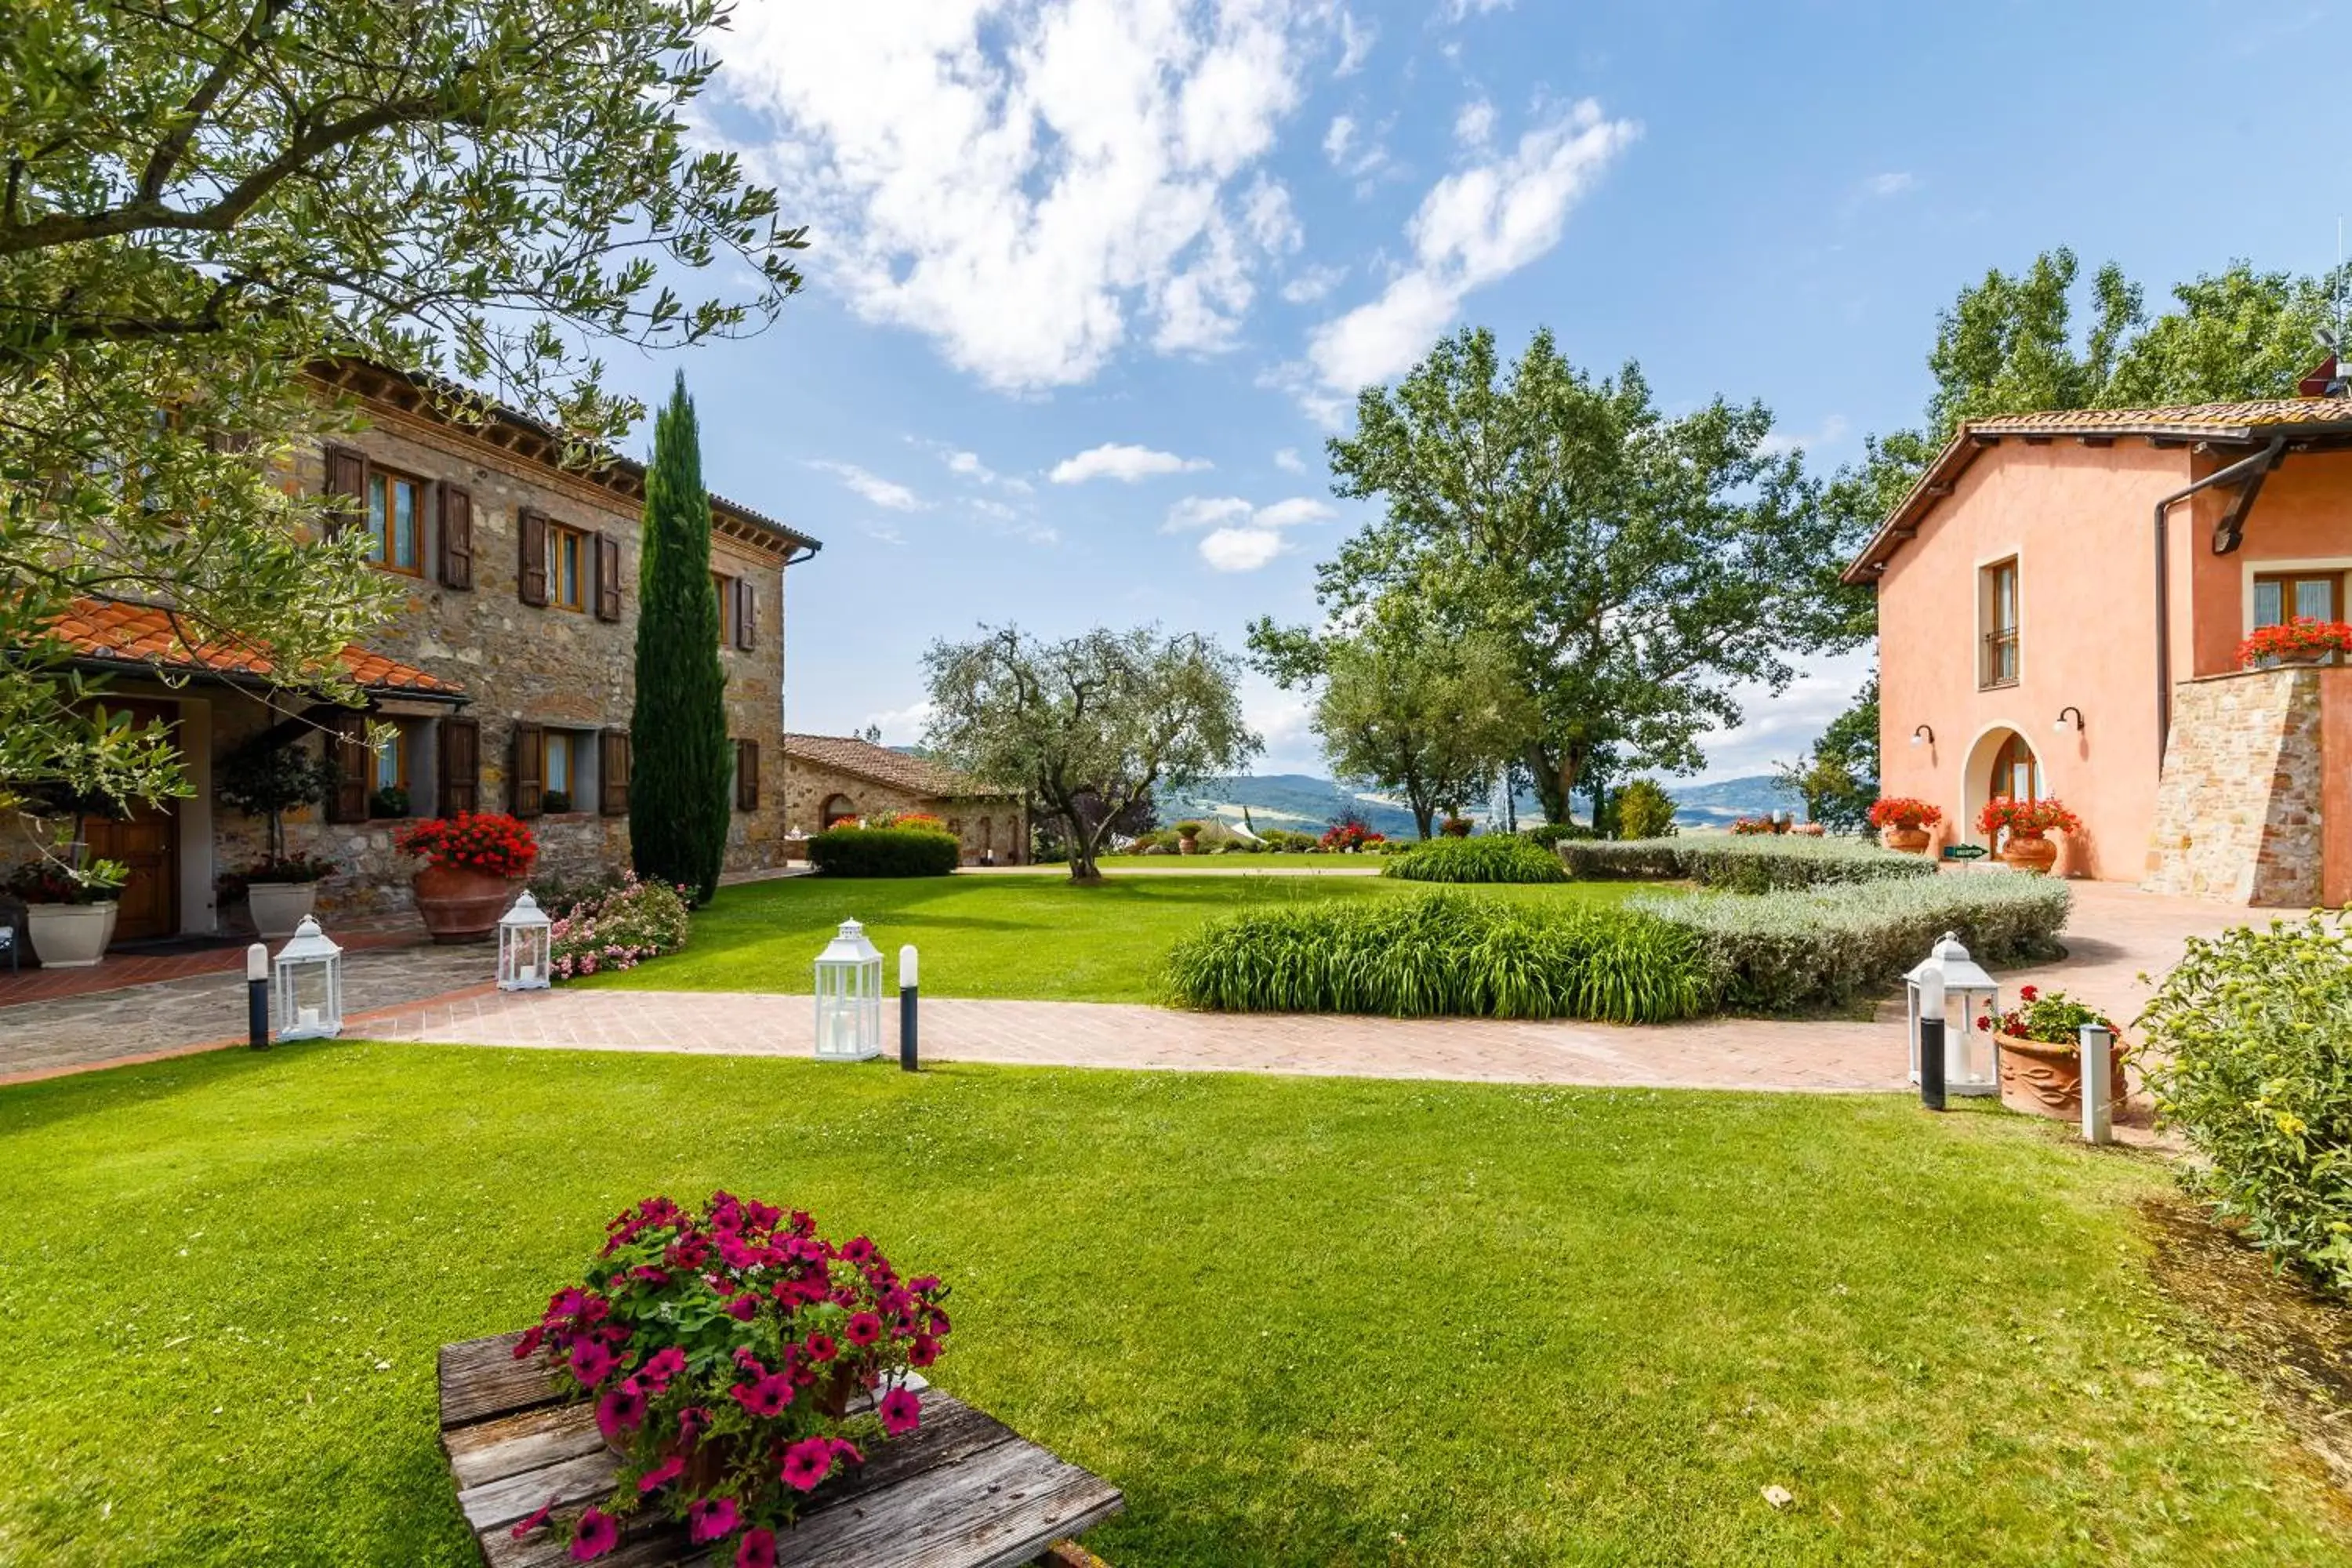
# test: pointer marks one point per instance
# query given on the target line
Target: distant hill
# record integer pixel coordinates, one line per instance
(1717, 804)
(1295, 803)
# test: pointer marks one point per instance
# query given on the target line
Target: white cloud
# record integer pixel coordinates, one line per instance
(1455, 10)
(882, 492)
(968, 466)
(1241, 549)
(1293, 512)
(1289, 461)
(1286, 720)
(1893, 183)
(1340, 138)
(1312, 283)
(1031, 182)
(1474, 126)
(1356, 40)
(1833, 430)
(1205, 511)
(1481, 222)
(1126, 464)
(901, 726)
(1782, 728)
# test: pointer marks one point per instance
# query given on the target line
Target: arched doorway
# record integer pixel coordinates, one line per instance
(2001, 762)
(838, 808)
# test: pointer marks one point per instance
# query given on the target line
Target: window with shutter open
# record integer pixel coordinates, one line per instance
(530, 565)
(747, 775)
(526, 775)
(608, 578)
(613, 773)
(354, 769)
(457, 510)
(347, 477)
(746, 615)
(460, 766)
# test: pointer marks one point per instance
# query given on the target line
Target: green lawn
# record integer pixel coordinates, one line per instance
(1301, 1321)
(1030, 937)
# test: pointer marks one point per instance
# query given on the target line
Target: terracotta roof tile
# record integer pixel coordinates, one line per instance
(918, 775)
(2197, 418)
(125, 633)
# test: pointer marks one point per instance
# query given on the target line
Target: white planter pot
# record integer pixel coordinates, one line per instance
(279, 907)
(70, 936)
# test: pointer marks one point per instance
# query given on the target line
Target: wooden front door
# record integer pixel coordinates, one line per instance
(147, 841)
(2015, 774)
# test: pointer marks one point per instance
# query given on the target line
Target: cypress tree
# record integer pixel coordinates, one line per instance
(681, 759)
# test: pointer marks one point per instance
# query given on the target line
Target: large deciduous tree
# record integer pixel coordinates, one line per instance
(1431, 719)
(1637, 568)
(199, 201)
(681, 758)
(1089, 726)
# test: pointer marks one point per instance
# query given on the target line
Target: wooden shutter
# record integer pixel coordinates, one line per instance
(347, 473)
(531, 565)
(613, 773)
(354, 768)
(457, 536)
(526, 779)
(608, 578)
(460, 766)
(746, 615)
(747, 775)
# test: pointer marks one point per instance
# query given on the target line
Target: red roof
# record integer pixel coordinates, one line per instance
(125, 633)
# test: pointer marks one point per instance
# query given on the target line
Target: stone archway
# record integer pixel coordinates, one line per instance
(2000, 760)
(838, 808)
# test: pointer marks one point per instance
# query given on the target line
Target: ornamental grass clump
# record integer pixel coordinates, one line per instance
(737, 1359)
(1742, 865)
(1444, 954)
(1494, 859)
(2248, 1051)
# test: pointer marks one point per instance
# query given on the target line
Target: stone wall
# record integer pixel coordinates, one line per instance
(980, 823)
(2238, 809)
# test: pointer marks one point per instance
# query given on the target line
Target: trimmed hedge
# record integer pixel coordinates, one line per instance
(1752, 865)
(1444, 954)
(1488, 859)
(1808, 949)
(883, 852)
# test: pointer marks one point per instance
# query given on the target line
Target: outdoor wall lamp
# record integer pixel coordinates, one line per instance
(1925, 735)
(2061, 724)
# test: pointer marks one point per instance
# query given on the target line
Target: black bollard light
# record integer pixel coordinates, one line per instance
(906, 988)
(257, 995)
(1931, 1040)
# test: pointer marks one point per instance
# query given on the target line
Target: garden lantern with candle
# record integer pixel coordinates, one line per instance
(1970, 1059)
(524, 935)
(849, 997)
(310, 985)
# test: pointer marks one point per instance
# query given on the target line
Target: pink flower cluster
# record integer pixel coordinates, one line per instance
(619, 930)
(723, 1350)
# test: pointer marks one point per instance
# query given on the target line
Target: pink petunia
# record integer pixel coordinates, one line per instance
(923, 1352)
(856, 1249)
(741, 1308)
(901, 1412)
(661, 1475)
(807, 1462)
(597, 1533)
(758, 1550)
(765, 1398)
(620, 1411)
(592, 1363)
(534, 1522)
(821, 1348)
(692, 1423)
(532, 1338)
(661, 1366)
(706, 1520)
(863, 1328)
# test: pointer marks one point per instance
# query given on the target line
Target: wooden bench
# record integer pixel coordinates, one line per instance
(965, 1490)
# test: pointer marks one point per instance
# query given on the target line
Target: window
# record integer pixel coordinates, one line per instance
(392, 762)
(2283, 596)
(567, 569)
(724, 587)
(1998, 596)
(395, 523)
(562, 770)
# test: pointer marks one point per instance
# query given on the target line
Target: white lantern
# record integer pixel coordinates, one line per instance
(524, 936)
(849, 997)
(1971, 1005)
(309, 988)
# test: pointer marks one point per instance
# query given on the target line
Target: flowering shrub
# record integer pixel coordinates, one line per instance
(2249, 1054)
(2031, 817)
(1902, 811)
(618, 930)
(1455, 827)
(488, 841)
(723, 1350)
(2051, 1018)
(918, 819)
(1350, 835)
(2301, 637)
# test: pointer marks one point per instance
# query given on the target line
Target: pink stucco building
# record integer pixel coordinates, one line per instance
(2029, 642)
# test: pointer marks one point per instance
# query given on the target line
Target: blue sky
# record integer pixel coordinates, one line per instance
(1091, 282)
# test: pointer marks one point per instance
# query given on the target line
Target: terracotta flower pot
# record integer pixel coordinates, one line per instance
(2043, 1080)
(460, 904)
(1188, 845)
(2029, 850)
(1911, 838)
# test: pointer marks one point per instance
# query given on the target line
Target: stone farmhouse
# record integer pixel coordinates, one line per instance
(829, 779)
(506, 676)
(2061, 602)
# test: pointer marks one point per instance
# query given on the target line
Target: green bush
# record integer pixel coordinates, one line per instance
(1549, 834)
(1645, 811)
(1803, 949)
(883, 852)
(1444, 954)
(1490, 859)
(2251, 1038)
(1749, 865)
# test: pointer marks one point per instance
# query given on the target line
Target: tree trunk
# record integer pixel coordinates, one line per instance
(1550, 787)
(1420, 819)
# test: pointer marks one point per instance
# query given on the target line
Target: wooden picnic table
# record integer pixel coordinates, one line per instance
(963, 1490)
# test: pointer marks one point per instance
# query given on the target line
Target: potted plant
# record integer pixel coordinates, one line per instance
(69, 909)
(2026, 824)
(1454, 826)
(391, 801)
(473, 861)
(1188, 838)
(2042, 1053)
(737, 1360)
(2302, 640)
(268, 779)
(1903, 823)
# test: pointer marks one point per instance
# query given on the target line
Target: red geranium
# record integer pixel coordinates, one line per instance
(2048, 814)
(488, 841)
(1900, 811)
(2305, 636)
